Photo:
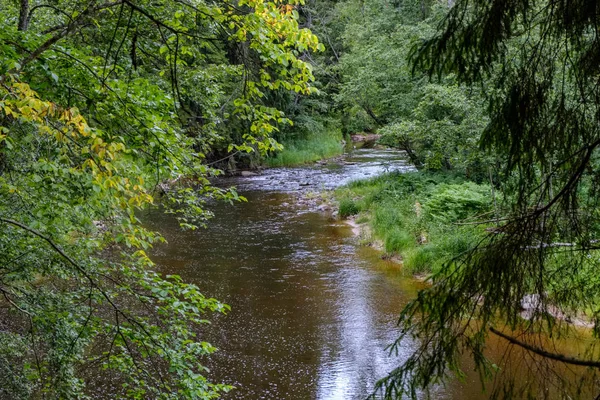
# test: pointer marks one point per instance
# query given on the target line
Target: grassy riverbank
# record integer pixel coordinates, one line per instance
(312, 148)
(418, 216)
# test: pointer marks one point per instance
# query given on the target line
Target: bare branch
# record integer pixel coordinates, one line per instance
(553, 356)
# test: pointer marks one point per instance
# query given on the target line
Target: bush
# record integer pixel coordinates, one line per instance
(451, 203)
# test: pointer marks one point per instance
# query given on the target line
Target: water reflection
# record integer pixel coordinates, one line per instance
(310, 318)
(312, 314)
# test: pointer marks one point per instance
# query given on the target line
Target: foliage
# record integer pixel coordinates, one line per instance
(418, 215)
(376, 88)
(377, 85)
(451, 203)
(104, 107)
(443, 133)
(535, 63)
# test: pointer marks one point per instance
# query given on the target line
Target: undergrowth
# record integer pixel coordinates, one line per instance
(423, 217)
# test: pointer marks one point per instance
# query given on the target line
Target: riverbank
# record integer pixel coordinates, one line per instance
(415, 218)
(423, 220)
(319, 147)
(310, 149)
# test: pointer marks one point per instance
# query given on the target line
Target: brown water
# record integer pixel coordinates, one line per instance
(310, 315)
(312, 312)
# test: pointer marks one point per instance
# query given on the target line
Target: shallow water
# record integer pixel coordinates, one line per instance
(359, 164)
(312, 312)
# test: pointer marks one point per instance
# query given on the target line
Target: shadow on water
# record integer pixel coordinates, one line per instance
(312, 313)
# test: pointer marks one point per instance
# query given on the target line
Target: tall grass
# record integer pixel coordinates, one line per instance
(313, 148)
(417, 215)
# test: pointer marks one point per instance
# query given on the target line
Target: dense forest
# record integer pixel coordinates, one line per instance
(109, 108)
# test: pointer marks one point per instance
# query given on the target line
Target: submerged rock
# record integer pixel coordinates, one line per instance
(324, 207)
(248, 173)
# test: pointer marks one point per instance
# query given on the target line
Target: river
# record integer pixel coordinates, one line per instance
(311, 311)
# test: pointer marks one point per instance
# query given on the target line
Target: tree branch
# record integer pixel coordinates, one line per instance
(87, 11)
(79, 268)
(44, 237)
(546, 354)
(65, 30)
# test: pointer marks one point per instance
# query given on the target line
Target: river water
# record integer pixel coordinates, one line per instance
(311, 312)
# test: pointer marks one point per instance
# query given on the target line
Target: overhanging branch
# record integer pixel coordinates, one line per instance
(553, 356)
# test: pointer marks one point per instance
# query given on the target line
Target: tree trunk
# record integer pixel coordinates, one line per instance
(24, 15)
(371, 114)
(406, 146)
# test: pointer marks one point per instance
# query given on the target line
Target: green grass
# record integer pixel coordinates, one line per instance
(398, 240)
(313, 148)
(347, 208)
(416, 215)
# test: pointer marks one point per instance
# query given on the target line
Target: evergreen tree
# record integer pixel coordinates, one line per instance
(537, 64)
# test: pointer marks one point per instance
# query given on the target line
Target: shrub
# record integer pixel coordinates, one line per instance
(450, 203)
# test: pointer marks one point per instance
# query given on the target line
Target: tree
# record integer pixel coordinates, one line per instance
(105, 107)
(537, 64)
(442, 132)
(375, 89)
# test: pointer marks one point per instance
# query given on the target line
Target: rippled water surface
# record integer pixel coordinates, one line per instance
(360, 164)
(312, 313)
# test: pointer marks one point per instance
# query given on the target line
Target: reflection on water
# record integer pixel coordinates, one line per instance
(310, 317)
(312, 314)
